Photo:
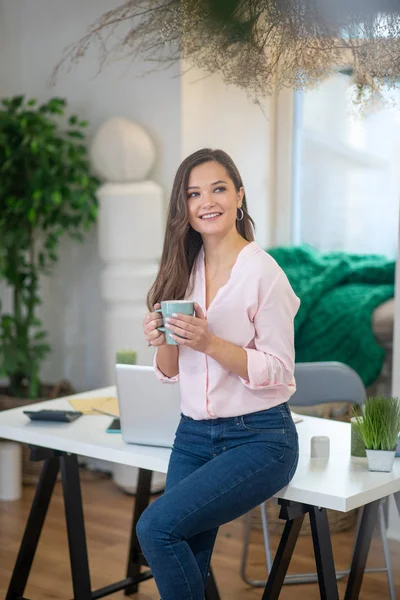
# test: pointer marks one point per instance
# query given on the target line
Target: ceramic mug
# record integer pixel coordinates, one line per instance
(168, 307)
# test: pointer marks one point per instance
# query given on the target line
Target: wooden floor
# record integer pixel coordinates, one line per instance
(108, 513)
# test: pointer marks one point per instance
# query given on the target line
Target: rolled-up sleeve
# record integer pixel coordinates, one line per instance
(160, 375)
(270, 356)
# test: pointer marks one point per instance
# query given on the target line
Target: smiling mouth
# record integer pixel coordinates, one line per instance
(210, 216)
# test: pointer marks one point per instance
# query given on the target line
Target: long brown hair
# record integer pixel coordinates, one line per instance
(182, 243)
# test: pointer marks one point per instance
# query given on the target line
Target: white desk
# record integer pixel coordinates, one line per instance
(341, 483)
(85, 437)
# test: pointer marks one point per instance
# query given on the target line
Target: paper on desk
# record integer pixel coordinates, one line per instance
(107, 404)
(296, 418)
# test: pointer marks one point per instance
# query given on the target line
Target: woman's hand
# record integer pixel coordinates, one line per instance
(191, 331)
(153, 320)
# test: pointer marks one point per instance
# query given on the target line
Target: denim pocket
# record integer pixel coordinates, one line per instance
(264, 421)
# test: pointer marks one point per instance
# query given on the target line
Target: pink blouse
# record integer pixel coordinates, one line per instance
(255, 310)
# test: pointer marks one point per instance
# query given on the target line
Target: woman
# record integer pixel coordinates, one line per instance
(236, 444)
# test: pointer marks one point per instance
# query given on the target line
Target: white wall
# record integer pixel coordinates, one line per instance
(32, 38)
(219, 116)
(10, 48)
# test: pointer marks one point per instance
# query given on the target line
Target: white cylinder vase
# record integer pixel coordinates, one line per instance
(10, 471)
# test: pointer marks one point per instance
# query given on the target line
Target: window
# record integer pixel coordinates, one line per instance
(346, 170)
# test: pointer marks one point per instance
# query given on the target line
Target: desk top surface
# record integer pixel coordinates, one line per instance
(340, 483)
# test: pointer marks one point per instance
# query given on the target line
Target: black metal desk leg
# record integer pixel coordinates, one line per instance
(75, 527)
(282, 558)
(323, 554)
(211, 588)
(368, 521)
(136, 558)
(33, 529)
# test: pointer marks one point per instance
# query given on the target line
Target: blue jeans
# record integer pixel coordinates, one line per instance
(219, 470)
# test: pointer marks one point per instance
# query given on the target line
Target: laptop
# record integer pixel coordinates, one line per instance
(149, 409)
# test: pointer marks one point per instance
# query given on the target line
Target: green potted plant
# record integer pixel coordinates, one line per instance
(125, 357)
(378, 425)
(46, 191)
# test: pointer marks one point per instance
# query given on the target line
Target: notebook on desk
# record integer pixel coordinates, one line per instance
(96, 406)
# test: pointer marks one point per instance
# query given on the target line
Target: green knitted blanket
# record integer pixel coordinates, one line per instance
(338, 293)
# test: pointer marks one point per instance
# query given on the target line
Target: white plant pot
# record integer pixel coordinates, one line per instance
(380, 460)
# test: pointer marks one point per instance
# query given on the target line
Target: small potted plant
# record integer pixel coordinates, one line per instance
(379, 429)
(125, 357)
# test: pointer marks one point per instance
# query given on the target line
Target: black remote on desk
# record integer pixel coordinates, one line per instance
(63, 416)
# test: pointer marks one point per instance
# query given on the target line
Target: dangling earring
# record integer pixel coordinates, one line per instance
(241, 215)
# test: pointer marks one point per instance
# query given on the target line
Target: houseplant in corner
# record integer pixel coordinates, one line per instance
(46, 191)
(378, 426)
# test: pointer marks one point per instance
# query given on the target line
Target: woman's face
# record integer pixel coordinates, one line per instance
(212, 200)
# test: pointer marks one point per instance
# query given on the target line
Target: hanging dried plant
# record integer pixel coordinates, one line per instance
(258, 45)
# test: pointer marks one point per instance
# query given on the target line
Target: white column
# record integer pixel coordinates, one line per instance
(396, 332)
(394, 520)
(130, 244)
(130, 237)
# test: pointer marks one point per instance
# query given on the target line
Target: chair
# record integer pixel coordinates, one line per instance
(319, 383)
